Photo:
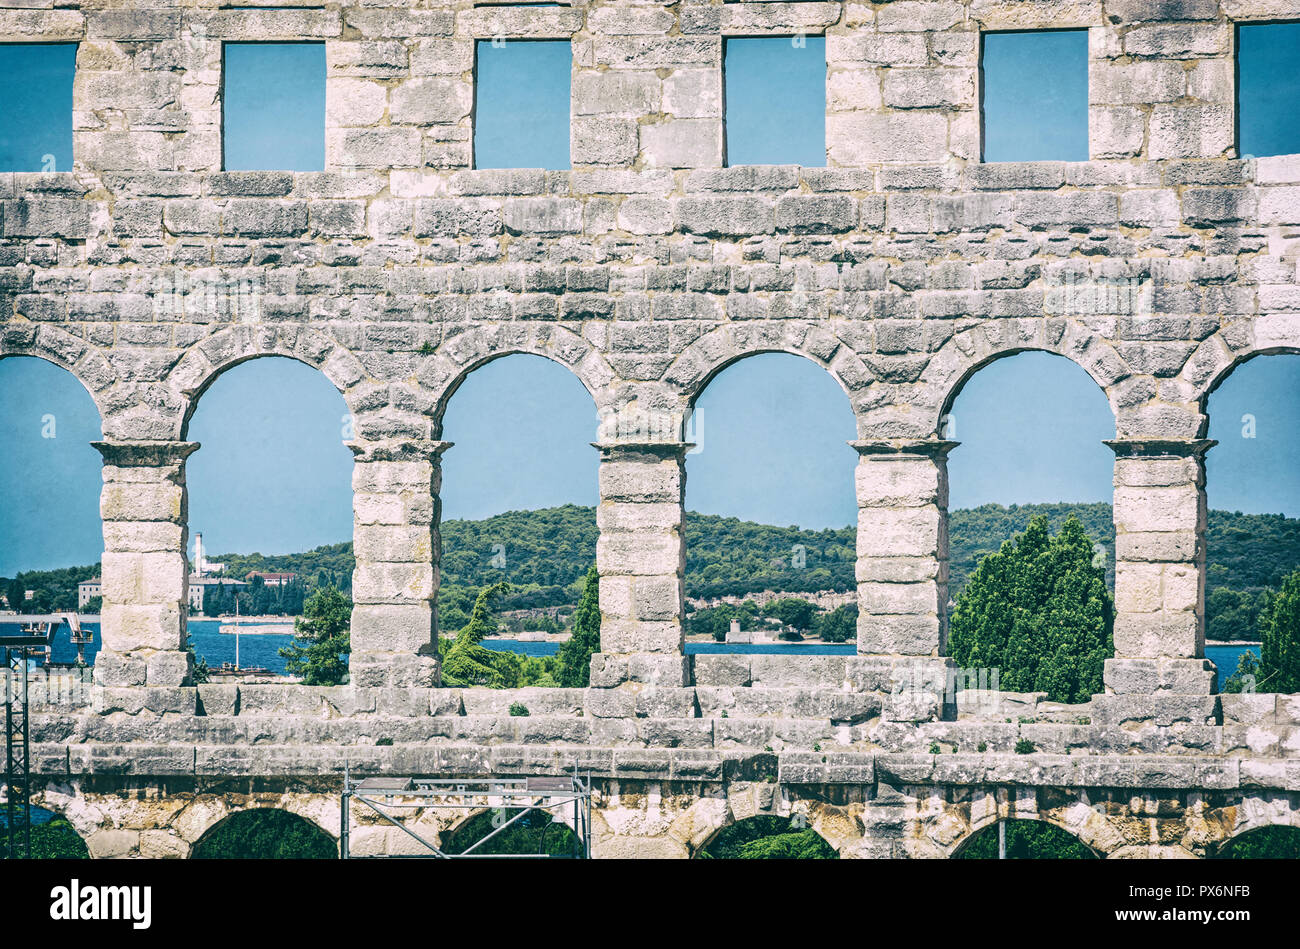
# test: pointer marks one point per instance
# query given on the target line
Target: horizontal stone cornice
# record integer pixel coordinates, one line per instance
(142, 454)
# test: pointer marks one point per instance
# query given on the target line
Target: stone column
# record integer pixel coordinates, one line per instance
(902, 573)
(145, 574)
(641, 558)
(1160, 515)
(396, 507)
(902, 569)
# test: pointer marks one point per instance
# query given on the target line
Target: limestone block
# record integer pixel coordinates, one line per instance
(898, 598)
(639, 554)
(128, 626)
(913, 635)
(601, 140)
(1190, 131)
(682, 143)
(1172, 634)
(882, 481)
(650, 482)
(860, 138)
(899, 532)
(392, 582)
(640, 636)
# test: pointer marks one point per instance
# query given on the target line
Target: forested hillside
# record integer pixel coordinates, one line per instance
(545, 554)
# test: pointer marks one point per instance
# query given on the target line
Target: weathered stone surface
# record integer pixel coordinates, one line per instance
(901, 268)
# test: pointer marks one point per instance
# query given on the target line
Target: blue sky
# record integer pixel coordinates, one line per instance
(273, 474)
(35, 83)
(1036, 96)
(775, 100)
(274, 107)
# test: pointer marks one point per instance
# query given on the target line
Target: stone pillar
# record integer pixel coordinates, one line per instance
(145, 574)
(902, 574)
(641, 558)
(902, 86)
(396, 507)
(1160, 515)
(902, 569)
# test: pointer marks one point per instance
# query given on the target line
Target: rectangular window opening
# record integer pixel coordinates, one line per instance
(1268, 89)
(1035, 95)
(36, 106)
(521, 103)
(774, 90)
(273, 107)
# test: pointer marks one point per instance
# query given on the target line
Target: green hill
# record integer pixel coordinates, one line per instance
(546, 553)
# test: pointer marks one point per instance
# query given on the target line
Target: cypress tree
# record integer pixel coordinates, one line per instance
(1279, 628)
(1039, 612)
(575, 655)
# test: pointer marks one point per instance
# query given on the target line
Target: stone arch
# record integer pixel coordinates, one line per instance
(289, 806)
(701, 823)
(690, 373)
(1217, 364)
(970, 837)
(87, 364)
(956, 827)
(61, 802)
(697, 850)
(202, 364)
(463, 821)
(1258, 811)
(442, 373)
(966, 353)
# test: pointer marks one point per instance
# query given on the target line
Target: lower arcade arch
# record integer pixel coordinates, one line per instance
(1023, 839)
(767, 837)
(52, 836)
(1272, 842)
(510, 831)
(265, 833)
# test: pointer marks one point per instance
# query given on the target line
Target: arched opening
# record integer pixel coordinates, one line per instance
(511, 832)
(1023, 840)
(771, 511)
(767, 837)
(1262, 843)
(265, 834)
(52, 836)
(51, 536)
(1252, 487)
(1031, 468)
(518, 527)
(270, 520)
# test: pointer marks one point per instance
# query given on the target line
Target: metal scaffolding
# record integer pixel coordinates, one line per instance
(21, 638)
(554, 796)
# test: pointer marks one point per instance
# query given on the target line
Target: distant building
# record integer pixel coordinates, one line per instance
(87, 589)
(202, 565)
(272, 579)
(198, 585)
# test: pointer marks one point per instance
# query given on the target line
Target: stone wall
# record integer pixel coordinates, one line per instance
(901, 267)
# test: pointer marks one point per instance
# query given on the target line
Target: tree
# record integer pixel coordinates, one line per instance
(321, 639)
(467, 662)
(1279, 628)
(1026, 840)
(265, 834)
(199, 671)
(575, 655)
(793, 612)
(840, 625)
(1247, 676)
(533, 833)
(768, 837)
(1039, 612)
